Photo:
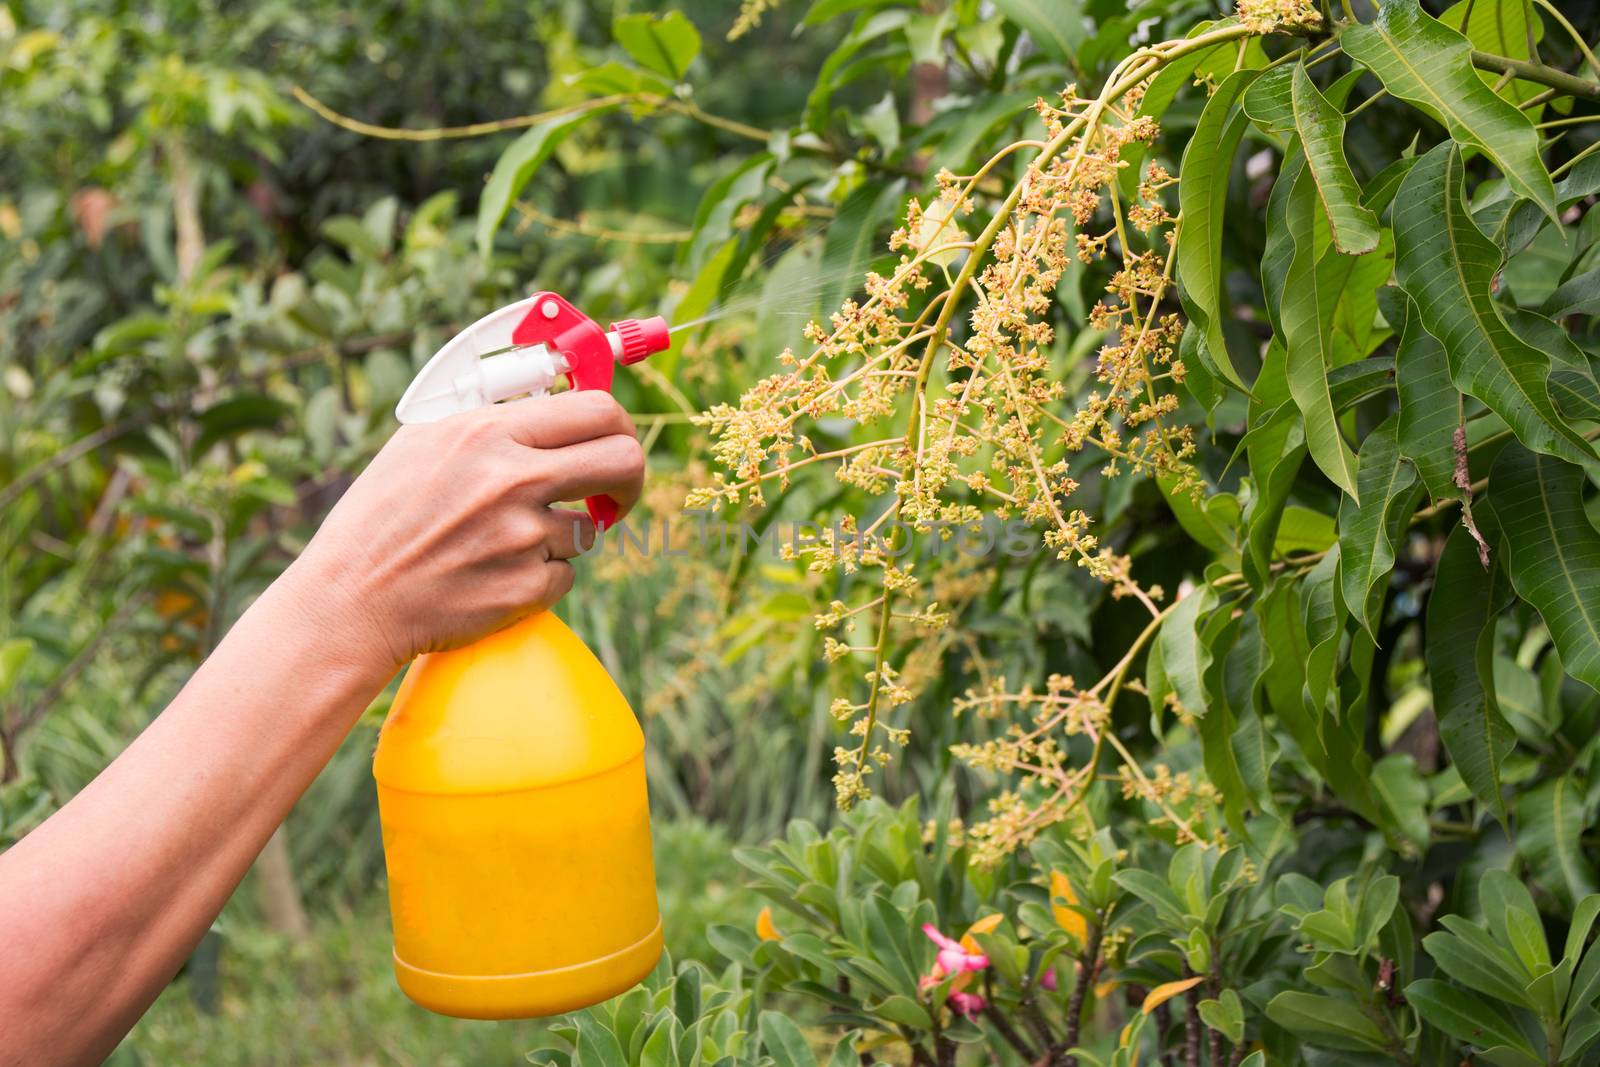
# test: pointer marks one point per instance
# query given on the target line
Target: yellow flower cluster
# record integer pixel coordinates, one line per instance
(942, 394)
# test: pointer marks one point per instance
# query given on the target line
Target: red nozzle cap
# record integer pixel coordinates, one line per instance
(641, 338)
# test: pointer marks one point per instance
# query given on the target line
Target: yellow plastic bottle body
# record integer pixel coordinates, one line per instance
(516, 829)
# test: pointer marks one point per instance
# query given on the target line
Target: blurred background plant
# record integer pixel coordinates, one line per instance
(232, 233)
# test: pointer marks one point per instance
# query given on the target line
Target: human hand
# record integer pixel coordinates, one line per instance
(449, 534)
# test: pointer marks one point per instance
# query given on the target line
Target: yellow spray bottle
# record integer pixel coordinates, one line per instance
(511, 783)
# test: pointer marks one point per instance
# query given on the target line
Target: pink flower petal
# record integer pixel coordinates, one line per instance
(968, 1004)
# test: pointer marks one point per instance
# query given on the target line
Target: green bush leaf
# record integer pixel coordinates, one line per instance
(1429, 65)
(665, 43)
(1476, 967)
(1552, 550)
(1332, 1021)
(1447, 266)
(1369, 530)
(1202, 197)
(1321, 128)
(1466, 1016)
(1460, 659)
(784, 1041)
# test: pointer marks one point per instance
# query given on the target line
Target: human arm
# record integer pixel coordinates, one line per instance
(447, 536)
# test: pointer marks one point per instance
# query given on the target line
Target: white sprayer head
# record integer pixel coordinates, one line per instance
(492, 360)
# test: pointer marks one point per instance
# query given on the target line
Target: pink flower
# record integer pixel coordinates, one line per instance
(968, 1004)
(953, 956)
(1047, 980)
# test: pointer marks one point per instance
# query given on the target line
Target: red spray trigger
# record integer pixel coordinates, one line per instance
(590, 356)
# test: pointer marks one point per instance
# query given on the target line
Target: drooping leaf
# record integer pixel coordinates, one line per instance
(1279, 250)
(1552, 551)
(1578, 295)
(665, 43)
(1214, 64)
(1270, 100)
(852, 237)
(1202, 195)
(1309, 299)
(1429, 404)
(1459, 655)
(1354, 382)
(1369, 530)
(1276, 449)
(516, 167)
(1447, 266)
(1321, 128)
(1550, 821)
(1055, 26)
(1427, 64)
(1166, 991)
(1184, 652)
(1404, 796)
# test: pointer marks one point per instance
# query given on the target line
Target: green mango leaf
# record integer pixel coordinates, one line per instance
(1202, 198)
(1427, 64)
(517, 165)
(1211, 520)
(1369, 531)
(1552, 550)
(1430, 406)
(1550, 823)
(665, 43)
(1056, 27)
(1270, 100)
(1447, 266)
(1466, 1016)
(1184, 653)
(1309, 299)
(852, 237)
(1321, 128)
(1460, 659)
(1578, 295)
(1354, 382)
(1404, 796)
(1276, 449)
(1214, 64)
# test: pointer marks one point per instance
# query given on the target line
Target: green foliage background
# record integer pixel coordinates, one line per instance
(211, 295)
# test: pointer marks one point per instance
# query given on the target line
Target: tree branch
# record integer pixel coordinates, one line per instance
(1522, 70)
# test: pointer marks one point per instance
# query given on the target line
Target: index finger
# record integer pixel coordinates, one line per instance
(563, 419)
